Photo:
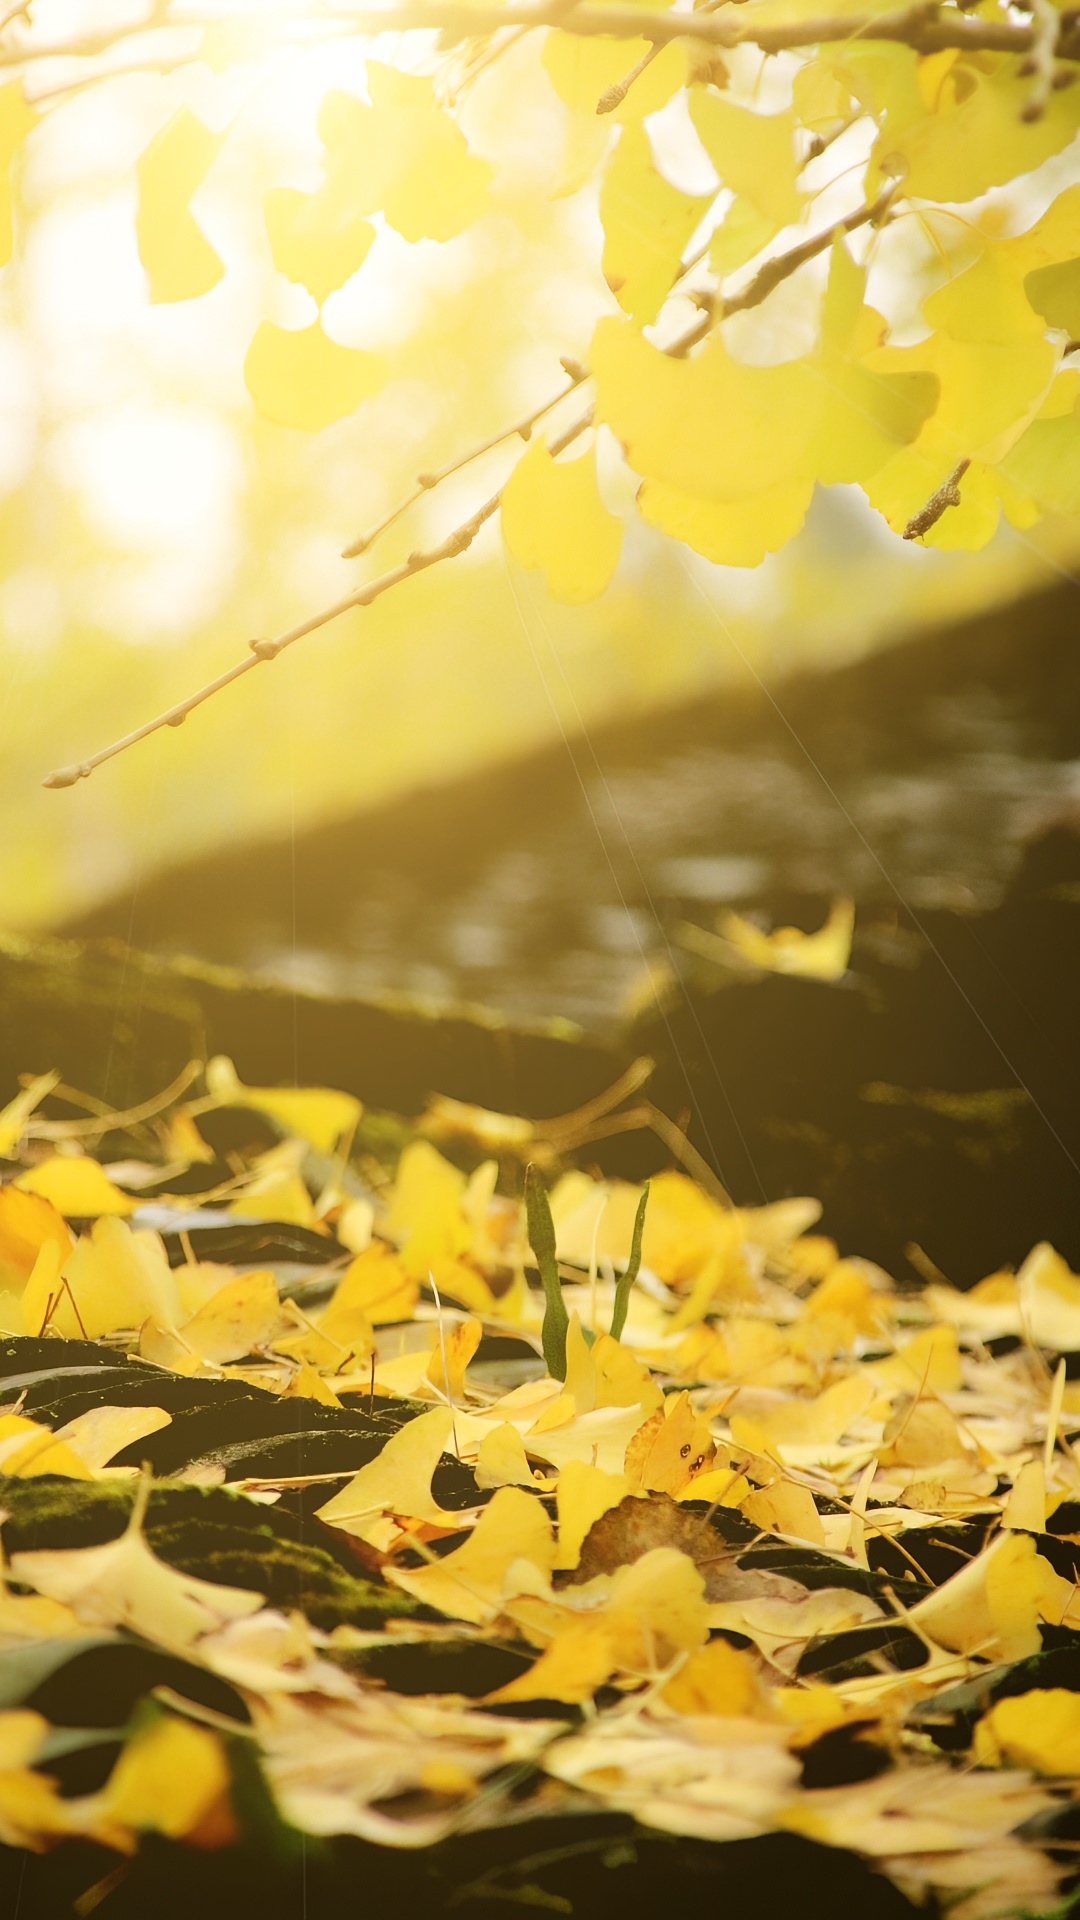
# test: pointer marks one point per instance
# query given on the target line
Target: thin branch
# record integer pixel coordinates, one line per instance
(770, 274)
(426, 481)
(614, 96)
(945, 496)
(1042, 60)
(927, 26)
(768, 277)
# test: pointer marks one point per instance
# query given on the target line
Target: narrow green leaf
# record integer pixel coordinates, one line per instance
(542, 1240)
(626, 1280)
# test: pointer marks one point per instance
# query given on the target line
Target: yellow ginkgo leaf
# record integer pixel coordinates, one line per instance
(312, 243)
(468, 1583)
(991, 1607)
(646, 223)
(168, 1779)
(1040, 1730)
(242, 1316)
(671, 1449)
(1049, 1297)
(374, 1291)
(583, 1494)
(754, 153)
(28, 1449)
(425, 1216)
(731, 533)
(27, 1222)
(501, 1460)
(77, 1187)
(720, 1679)
(276, 1194)
(404, 157)
(742, 233)
(123, 1584)
(553, 518)
(180, 263)
(824, 955)
(98, 1435)
(398, 1480)
(306, 1384)
(305, 380)
(319, 1115)
(454, 1349)
(16, 120)
(115, 1279)
(577, 1662)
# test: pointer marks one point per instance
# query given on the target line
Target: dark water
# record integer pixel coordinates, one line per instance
(930, 1098)
(914, 780)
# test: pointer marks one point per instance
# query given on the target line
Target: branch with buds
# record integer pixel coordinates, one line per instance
(769, 276)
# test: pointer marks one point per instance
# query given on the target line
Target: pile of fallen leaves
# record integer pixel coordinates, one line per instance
(439, 1499)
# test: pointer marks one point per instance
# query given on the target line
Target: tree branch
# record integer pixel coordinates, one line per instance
(425, 482)
(928, 27)
(768, 277)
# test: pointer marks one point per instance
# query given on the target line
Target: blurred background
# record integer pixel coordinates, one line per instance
(466, 794)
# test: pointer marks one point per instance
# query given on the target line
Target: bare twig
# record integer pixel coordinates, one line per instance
(614, 96)
(1042, 60)
(945, 496)
(768, 277)
(426, 481)
(927, 26)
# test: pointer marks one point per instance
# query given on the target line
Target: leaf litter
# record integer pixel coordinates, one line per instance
(740, 1535)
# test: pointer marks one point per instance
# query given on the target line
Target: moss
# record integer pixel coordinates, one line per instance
(208, 1532)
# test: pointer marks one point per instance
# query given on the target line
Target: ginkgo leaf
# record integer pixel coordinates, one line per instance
(170, 1776)
(670, 1449)
(303, 379)
(647, 224)
(584, 1493)
(243, 1315)
(76, 1186)
(553, 517)
(501, 1460)
(317, 1114)
(717, 1680)
(753, 153)
(16, 120)
(978, 138)
(123, 1584)
(404, 157)
(1049, 1298)
(312, 243)
(180, 263)
(468, 1583)
(398, 1481)
(991, 1607)
(1040, 1730)
(451, 1355)
(823, 955)
(27, 1449)
(731, 533)
(27, 1222)
(100, 1433)
(115, 1279)
(374, 1290)
(743, 232)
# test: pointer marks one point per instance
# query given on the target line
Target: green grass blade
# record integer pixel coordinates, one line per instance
(626, 1280)
(542, 1241)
